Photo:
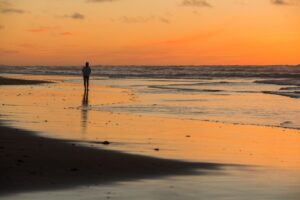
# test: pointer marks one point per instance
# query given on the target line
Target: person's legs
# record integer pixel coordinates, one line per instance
(85, 81)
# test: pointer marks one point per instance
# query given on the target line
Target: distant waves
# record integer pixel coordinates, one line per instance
(164, 72)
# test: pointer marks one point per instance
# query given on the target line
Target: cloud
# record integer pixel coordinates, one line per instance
(4, 3)
(13, 10)
(4, 51)
(140, 20)
(1, 27)
(279, 2)
(27, 46)
(126, 19)
(7, 8)
(101, 1)
(196, 3)
(40, 29)
(53, 30)
(165, 20)
(65, 33)
(284, 2)
(76, 15)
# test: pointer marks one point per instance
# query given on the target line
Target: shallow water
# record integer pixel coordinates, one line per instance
(224, 100)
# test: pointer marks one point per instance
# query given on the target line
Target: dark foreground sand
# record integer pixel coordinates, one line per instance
(13, 81)
(30, 162)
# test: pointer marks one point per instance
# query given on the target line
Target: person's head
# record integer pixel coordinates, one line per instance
(87, 64)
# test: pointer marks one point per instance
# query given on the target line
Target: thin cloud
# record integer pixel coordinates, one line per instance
(279, 2)
(4, 51)
(41, 29)
(38, 30)
(140, 20)
(76, 15)
(54, 30)
(27, 46)
(66, 33)
(284, 2)
(126, 19)
(1, 27)
(13, 10)
(4, 3)
(101, 1)
(165, 20)
(196, 3)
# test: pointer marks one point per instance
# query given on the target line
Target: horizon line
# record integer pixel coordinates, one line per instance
(184, 65)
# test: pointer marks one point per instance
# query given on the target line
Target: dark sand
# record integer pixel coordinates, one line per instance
(30, 162)
(13, 81)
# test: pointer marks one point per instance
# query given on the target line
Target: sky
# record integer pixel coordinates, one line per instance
(149, 32)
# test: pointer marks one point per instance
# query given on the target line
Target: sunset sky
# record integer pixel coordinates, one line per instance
(149, 32)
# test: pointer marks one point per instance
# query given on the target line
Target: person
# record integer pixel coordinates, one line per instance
(86, 71)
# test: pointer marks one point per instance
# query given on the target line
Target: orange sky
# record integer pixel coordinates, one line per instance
(156, 32)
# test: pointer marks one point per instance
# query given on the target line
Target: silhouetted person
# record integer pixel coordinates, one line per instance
(86, 71)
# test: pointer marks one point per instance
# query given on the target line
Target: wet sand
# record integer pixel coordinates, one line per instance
(30, 162)
(14, 81)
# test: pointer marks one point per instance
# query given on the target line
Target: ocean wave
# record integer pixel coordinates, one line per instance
(174, 72)
(178, 89)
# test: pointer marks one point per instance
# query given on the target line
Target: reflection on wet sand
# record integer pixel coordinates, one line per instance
(84, 111)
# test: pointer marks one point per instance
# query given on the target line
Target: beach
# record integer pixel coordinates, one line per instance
(58, 140)
(35, 163)
(149, 100)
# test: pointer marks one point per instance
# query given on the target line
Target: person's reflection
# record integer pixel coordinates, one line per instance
(84, 110)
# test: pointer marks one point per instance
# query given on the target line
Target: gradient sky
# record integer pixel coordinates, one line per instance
(149, 32)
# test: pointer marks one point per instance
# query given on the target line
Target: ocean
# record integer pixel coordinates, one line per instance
(255, 95)
(171, 72)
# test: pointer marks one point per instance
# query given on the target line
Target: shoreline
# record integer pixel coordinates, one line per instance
(31, 163)
(13, 81)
